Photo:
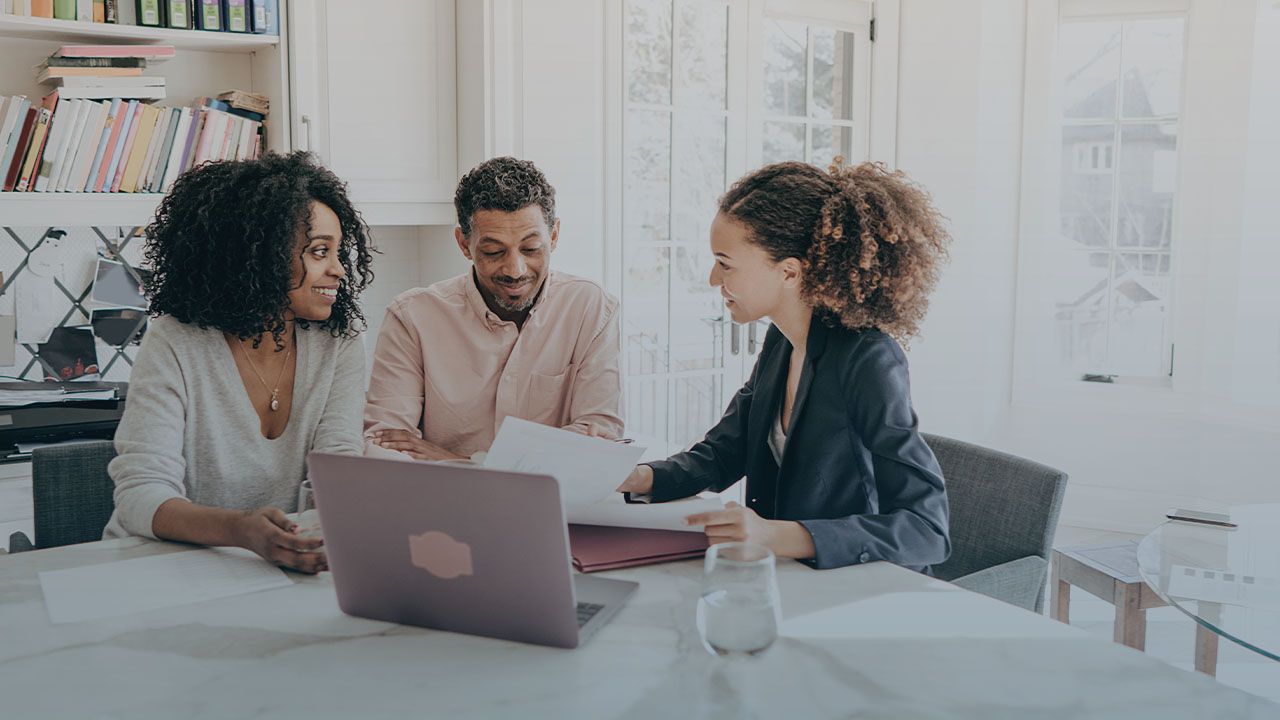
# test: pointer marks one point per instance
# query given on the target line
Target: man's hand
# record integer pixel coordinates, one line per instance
(639, 482)
(411, 445)
(267, 532)
(740, 524)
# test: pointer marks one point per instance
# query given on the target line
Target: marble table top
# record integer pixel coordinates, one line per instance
(870, 641)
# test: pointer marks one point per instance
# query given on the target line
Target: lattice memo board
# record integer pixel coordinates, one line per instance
(48, 280)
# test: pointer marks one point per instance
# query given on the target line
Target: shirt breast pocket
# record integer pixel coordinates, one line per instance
(548, 396)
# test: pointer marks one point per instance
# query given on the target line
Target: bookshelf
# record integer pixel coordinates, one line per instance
(206, 63)
(71, 31)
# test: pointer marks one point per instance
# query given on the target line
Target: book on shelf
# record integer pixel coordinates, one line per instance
(154, 53)
(50, 73)
(11, 116)
(242, 100)
(111, 11)
(64, 9)
(99, 11)
(117, 148)
(84, 10)
(39, 138)
(60, 124)
(136, 120)
(41, 8)
(95, 62)
(62, 168)
(264, 16)
(106, 93)
(90, 140)
(120, 82)
(112, 134)
(136, 152)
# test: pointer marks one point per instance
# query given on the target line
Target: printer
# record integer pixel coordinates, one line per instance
(48, 412)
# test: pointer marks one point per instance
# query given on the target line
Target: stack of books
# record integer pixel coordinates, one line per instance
(97, 72)
(117, 145)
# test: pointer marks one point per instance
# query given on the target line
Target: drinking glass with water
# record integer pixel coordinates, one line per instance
(739, 610)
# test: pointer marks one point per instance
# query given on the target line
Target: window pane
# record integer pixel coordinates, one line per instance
(1080, 294)
(649, 51)
(699, 175)
(1147, 174)
(1152, 68)
(646, 408)
(1138, 315)
(784, 67)
(696, 333)
(704, 42)
(697, 408)
(1087, 177)
(830, 141)
(646, 206)
(832, 73)
(782, 141)
(645, 287)
(1090, 56)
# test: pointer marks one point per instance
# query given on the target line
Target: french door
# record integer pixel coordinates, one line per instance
(705, 91)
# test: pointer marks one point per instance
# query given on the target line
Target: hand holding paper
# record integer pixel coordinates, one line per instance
(588, 468)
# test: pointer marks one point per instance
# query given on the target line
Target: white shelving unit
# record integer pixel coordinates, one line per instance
(206, 63)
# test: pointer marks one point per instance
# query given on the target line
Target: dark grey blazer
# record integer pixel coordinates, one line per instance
(855, 471)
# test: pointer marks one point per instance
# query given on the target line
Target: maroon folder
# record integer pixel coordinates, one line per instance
(596, 547)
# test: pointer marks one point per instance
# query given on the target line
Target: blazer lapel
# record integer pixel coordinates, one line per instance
(770, 382)
(814, 346)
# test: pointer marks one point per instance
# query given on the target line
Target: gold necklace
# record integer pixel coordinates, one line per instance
(275, 404)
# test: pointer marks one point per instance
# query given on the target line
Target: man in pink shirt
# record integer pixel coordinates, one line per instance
(510, 337)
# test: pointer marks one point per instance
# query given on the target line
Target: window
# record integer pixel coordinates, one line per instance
(698, 107)
(1121, 92)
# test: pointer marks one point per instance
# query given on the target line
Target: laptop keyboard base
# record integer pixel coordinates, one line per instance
(586, 611)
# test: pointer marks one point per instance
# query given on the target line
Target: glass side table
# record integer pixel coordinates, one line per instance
(1226, 579)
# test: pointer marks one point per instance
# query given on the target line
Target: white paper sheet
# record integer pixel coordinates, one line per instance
(589, 469)
(110, 589)
(655, 516)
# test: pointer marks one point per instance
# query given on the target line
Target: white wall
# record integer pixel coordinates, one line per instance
(960, 100)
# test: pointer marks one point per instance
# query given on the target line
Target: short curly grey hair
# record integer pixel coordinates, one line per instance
(506, 184)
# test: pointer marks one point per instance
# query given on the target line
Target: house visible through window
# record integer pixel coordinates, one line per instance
(1121, 90)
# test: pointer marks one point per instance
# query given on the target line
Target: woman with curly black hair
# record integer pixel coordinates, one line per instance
(253, 358)
(842, 262)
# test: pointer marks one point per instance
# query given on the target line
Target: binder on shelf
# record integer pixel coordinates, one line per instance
(150, 12)
(18, 146)
(237, 16)
(64, 9)
(178, 14)
(209, 15)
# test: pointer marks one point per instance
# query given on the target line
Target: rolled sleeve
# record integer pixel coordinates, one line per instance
(396, 383)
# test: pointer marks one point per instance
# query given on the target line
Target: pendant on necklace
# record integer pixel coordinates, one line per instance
(275, 404)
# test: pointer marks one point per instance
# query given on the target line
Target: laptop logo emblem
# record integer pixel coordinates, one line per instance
(440, 555)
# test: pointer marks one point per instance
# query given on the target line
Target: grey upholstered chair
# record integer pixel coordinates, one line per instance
(71, 495)
(1004, 511)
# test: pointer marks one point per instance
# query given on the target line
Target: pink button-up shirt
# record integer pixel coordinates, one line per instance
(448, 367)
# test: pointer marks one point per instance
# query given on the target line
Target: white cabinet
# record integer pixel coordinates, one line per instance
(373, 93)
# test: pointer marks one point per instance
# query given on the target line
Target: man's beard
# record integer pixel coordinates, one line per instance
(516, 306)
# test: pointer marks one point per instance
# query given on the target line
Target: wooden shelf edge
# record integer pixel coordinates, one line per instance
(69, 31)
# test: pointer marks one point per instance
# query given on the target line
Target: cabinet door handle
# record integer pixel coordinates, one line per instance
(306, 123)
(735, 338)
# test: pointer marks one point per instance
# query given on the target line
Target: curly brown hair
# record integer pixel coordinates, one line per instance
(506, 184)
(871, 242)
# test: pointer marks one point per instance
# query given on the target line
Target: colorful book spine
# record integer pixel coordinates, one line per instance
(179, 13)
(64, 9)
(209, 15)
(18, 146)
(149, 13)
(109, 142)
(94, 139)
(237, 16)
(122, 140)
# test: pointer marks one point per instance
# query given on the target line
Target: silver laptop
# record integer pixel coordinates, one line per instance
(457, 548)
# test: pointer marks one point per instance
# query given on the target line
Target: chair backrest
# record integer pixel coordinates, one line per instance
(1003, 507)
(71, 492)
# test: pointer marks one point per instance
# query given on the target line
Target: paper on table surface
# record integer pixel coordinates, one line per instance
(652, 516)
(589, 469)
(110, 589)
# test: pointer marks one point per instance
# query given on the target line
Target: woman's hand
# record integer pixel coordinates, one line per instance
(640, 481)
(736, 523)
(267, 532)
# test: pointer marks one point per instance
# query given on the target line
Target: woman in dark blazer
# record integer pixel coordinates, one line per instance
(842, 262)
